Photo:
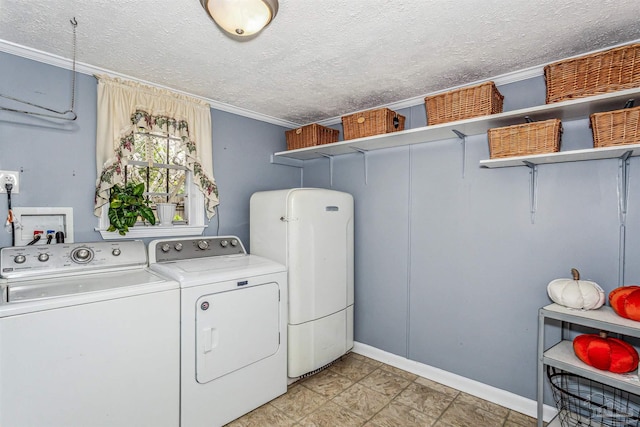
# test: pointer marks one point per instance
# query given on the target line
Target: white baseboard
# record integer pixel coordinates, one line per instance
(492, 394)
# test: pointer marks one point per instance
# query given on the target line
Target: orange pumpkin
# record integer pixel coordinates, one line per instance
(608, 354)
(625, 301)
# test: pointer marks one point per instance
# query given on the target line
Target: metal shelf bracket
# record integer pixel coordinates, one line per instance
(286, 161)
(327, 156)
(289, 162)
(623, 185)
(365, 156)
(623, 198)
(533, 189)
(463, 140)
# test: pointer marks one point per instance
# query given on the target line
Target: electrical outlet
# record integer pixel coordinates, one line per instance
(9, 177)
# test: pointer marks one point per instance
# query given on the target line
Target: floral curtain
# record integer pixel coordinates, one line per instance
(124, 107)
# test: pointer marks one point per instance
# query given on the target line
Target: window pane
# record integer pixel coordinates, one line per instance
(140, 147)
(177, 178)
(136, 174)
(176, 153)
(157, 180)
(159, 149)
(162, 184)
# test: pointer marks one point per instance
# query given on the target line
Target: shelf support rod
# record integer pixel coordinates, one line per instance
(330, 167)
(463, 140)
(533, 189)
(623, 198)
(365, 156)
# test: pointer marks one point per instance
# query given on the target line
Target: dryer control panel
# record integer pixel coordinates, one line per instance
(198, 247)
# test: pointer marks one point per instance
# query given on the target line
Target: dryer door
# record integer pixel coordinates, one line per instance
(235, 329)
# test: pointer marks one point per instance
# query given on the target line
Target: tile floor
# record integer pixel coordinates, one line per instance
(358, 391)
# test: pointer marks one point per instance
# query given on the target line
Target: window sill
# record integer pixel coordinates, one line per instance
(142, 231)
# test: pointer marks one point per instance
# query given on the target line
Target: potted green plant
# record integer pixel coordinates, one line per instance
(126, 204)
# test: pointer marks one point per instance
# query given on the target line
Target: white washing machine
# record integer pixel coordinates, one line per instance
(233, 328)
(88, 337)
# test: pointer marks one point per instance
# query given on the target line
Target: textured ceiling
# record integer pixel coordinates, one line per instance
(320, 59)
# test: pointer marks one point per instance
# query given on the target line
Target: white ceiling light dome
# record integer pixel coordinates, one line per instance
(241, 18)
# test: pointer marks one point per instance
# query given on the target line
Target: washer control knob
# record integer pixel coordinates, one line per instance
(43, 257)
(203, 244)
(224, 243)
(116, 252)
(234, 242)
(165, 247)
(178, 246)
(82, 255)
(20, 259)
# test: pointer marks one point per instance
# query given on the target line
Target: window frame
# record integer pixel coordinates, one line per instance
(193, 208)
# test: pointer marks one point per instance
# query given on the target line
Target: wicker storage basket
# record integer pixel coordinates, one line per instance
(310, 135)
(525, 139)
(601, 72)
(372, 122)
(618, 127)
(464, 103)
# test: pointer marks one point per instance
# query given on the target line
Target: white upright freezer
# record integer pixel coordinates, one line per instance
(310, 230)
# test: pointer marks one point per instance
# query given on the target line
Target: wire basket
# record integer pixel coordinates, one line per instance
(584, 402)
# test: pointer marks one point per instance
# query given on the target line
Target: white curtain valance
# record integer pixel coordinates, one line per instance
(124, 106)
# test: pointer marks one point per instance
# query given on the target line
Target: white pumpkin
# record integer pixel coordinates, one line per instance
(576, 293)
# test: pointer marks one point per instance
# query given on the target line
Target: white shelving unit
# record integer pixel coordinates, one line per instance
(562, 356)
(566, 110)
(564, 156)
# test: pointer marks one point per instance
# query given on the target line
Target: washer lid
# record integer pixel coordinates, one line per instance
(193, 272)
(29, 290)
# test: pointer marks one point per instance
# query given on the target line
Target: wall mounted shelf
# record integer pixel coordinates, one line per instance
(564, 156)
(566, 110)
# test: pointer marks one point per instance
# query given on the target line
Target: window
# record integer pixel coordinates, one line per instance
(159, 138)
(158, 157)
(165, 176)
(189, 220)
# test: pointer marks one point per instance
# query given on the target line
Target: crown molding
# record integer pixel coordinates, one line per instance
(58, 61)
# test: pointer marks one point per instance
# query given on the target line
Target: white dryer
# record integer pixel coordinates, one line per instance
(233, 326)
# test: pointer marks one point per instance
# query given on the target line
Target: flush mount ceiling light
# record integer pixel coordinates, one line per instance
(241, 18)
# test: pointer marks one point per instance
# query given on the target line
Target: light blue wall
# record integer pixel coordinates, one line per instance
(56, 159)
(381, 240)
(450, 270)
(241, 152)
